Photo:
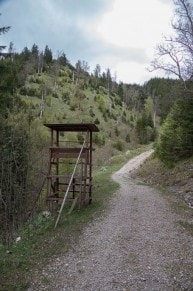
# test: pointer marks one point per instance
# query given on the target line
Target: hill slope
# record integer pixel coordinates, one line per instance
(178, 179)
(62, 98)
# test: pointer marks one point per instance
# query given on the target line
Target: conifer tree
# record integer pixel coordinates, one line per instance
(47, 55)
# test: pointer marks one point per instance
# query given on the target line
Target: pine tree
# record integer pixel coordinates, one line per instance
(176, 138)
(47, 55)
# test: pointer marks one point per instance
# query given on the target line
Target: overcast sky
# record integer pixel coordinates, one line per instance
(117, 34)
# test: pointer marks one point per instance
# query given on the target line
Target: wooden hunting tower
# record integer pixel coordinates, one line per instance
(70, 165)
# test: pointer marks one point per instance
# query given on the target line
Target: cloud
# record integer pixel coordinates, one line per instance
(134, 28)
(136, 55)
(86, 8)
(139, 24)
(50, 22)
(117, 34)
(167, 2)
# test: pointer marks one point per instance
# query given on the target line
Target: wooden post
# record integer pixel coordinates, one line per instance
(57, 165)
(90, 169)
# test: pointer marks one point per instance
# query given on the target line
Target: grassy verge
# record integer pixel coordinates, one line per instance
(175, 184)
(40, 242)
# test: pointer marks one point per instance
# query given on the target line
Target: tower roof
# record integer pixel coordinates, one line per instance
(72, 127)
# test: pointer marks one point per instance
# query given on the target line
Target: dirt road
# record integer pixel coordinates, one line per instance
(138, 244)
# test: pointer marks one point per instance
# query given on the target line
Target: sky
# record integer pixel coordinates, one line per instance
(117, 34)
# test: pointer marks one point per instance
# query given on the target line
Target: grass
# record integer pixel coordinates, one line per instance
(169, 181)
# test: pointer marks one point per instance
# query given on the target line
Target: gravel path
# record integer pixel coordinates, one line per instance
(137, 245)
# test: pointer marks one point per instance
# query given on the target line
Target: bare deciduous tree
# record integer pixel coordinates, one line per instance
(175, 54)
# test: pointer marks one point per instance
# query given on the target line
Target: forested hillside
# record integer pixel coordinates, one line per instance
(38, 88)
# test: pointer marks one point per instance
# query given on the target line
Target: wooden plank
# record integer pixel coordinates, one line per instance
(68, 149)
(67, 155)
(65, 176)
(68, 152)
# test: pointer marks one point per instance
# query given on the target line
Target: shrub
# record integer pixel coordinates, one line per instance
(73, 106)
(102, 90)
(49, 101)
(91, 112)
(118, 145)
(102, 104)
(97, 121)
(63, 73)
(23, 91)
(127, 139)
(118, 101)
(80, 137)
(55, 95)
(105, 117)
(30, 91)
(112, 116)
(65, 95)
(98, 139)
(117, 131)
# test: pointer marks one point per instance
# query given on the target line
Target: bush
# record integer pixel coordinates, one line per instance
(91, 112)
(118, 101)
(30, 91)
(80, 138)
(102, 104)
(105, 117)
(23, 91)
(127, 139)
(63, 73)
(118, 145)
(102, 90)
(55, 95)
(73, 105)
(65, 95)
(49, 101)
(98, 139)
(117, 133)
(97, 121)
(112, 116)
